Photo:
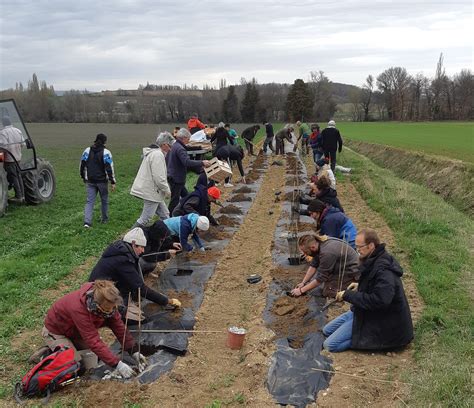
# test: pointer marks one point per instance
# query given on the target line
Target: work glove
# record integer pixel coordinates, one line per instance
(174, 302)
(202, 249)
(353, 286)
(125, 370)
(141, 361)
(339, 296)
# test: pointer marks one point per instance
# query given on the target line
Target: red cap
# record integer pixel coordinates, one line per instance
(214, 192)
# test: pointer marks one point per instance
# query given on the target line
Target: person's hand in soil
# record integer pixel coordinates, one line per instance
(339, 296)
(297, 292)
(174, 302)
(141, 361)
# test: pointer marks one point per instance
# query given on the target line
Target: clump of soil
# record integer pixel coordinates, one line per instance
(203, 257)
(303, 226)
(213, 233)
(184, 297)
(289, 322)
(290, 277)
(290, 195)
(227, 221)
(243, 189)
(239, 197)
(231, 209)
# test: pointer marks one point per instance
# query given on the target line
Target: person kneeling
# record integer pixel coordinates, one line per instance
(74, 320)
(380, 317)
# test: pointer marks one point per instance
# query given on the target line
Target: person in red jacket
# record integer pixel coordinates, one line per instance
(75, 320)
(194, 124)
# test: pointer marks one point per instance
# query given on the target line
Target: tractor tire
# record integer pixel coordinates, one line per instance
(39, 184)
(3, 191)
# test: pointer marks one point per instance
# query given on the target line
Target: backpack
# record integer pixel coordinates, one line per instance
(46, 376)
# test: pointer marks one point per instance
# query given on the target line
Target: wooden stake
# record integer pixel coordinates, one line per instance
(139, 320)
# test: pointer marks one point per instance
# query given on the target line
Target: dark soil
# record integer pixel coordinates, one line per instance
(238, 198)
(243, 189)
(204, 257)
(227, 221)
(231, 209)
(214, 233)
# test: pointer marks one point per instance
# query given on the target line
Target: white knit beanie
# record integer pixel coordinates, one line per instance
(202, 223)
(136, 236)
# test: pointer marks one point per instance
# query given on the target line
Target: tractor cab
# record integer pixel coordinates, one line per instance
(30, 178)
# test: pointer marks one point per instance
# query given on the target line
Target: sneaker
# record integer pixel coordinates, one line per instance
(87, 226)
(228, 185)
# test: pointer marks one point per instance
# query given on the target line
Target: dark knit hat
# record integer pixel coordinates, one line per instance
(316, 206)
(100, 138)
(322, 161)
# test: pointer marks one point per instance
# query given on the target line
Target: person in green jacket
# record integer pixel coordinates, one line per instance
(304, 132)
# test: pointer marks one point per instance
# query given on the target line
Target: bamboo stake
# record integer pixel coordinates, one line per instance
(177, 331)
(139, 321)
(126, 324)
(360, 377)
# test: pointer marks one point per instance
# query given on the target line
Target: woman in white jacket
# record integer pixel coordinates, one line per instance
(151, 183)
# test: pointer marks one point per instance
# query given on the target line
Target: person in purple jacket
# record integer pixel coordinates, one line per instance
(178, 163)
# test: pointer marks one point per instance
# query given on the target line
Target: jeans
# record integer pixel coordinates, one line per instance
(92, 189)
(249, 146)
(177, 190)
(150, 208)
(317, 155)
(267, 143)
(279, 146)
(339, 332)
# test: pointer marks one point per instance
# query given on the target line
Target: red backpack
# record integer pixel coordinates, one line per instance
(48, 374)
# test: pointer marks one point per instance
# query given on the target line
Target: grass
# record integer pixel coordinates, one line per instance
(437, 240)
(448, 139)
(41, 246)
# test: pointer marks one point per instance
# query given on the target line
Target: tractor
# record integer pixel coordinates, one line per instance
(36, 175)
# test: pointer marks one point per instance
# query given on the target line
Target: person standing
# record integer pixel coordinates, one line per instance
(380, 316)
(304, 133)
(96, 167)
(334, 265)
(280, 137)
(268, 142)
(248, 136)
(331, 141)
(315, 142)
(12, 140)
(151, 183)
(232, 133)
(178, 163)
(221, 137)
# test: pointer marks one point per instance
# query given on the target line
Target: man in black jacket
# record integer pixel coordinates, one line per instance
(96, 167)
(331, 142)
(380, 317)
(267, 143)
(248, 136)
(120, 264)
(199, 202)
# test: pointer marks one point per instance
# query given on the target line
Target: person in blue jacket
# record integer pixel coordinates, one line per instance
(184, 226)
(332, 222)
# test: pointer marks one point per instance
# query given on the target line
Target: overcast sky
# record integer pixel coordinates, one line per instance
(98, 44)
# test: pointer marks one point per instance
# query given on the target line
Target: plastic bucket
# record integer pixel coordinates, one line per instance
(235, 338)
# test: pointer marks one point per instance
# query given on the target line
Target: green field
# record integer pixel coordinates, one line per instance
(39, 246)
(449, 139)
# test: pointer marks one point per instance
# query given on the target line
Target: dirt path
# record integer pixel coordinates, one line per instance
(345, 391)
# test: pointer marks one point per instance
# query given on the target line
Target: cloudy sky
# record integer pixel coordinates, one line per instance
(101, 44)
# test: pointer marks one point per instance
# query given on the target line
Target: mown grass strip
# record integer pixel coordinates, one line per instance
(436, 238)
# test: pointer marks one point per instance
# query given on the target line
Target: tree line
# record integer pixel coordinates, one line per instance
(392, 95)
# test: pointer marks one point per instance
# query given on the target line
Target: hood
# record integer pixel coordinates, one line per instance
(193, 219)
(149, 149)
(97, 148)
(119, 248)
(333, 210)
(384, 260)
